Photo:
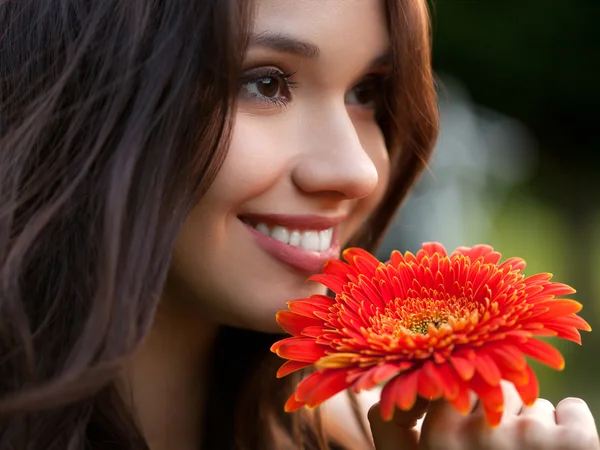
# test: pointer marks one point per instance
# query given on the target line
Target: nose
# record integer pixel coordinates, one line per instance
(333, 159)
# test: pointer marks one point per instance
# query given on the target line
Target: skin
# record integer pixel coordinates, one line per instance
(318, 152)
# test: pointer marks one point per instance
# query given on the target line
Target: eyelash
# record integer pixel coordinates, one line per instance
(262, 74)
(258, 75)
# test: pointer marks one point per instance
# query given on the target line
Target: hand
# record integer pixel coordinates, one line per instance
(568, 427)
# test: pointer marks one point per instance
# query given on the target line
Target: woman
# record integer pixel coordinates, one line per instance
(171, 172)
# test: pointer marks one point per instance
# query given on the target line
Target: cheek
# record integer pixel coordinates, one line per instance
(373, 141)
(254, 162)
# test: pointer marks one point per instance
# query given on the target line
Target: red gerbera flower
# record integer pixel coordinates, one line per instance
(428, 324)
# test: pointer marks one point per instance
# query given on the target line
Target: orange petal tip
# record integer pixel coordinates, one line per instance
(292, 404)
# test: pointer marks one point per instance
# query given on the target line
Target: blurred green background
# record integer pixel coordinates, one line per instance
(518, 161)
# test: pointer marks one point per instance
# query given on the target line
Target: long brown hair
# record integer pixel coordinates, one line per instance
(113, 119)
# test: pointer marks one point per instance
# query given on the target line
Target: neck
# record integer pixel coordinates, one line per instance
(164, 382)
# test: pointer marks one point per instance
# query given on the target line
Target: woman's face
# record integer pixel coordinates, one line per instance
(306, 166)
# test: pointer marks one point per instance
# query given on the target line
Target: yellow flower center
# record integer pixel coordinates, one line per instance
(420, 325)
(415, 315)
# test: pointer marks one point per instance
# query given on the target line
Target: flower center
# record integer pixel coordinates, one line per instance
(419, 324)
(414, 314)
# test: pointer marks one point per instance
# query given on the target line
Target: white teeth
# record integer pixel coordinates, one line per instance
(281, 234)
(316, 241)
(325, 237)
(263, 229)
(310, 240)
(295, 238)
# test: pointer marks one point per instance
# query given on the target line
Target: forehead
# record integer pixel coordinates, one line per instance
(344, 27)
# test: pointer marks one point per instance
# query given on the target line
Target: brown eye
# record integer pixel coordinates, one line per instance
(366, 94)
(267, 85)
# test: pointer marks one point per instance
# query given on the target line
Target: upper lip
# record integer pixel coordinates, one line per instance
(293, 221)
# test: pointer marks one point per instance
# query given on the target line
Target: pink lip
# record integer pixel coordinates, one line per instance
(307, 261)
(295, 222)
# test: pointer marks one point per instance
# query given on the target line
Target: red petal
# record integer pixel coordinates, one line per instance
(488, 369)
(538, 278)
(406, 275)
(379, 374)
(396, 259)
(529, 391)
(310, 383)
(321, 387)
(387, 402)
(431, 248)
(300, 349)
(465, 367)
(544, 353)
(558, 289)
(371, 291)
(493, 416)
(363, 260)
(402, 390)
(509, 356)
(450, 381)
(478, 251)
(386, 295)
(516, 377)
(557, 308)
(517, 337)
(538, 329)
(387, 371)
(364, 382)
(308, 306)
(567, 332)
(292, 404)
(294, 323)
(316, 332)
(338, 269)
(278, 344)
(518, 264)
(330, 281)
(462, 402)
(410, 259)
(291, 366)
(491, 398)
(573, 321)
(428, 384)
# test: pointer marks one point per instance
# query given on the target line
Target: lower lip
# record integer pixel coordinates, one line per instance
(307, 261)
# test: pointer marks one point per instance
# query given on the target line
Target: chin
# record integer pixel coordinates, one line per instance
(261, 317)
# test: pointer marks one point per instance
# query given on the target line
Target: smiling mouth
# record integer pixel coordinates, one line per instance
(312, 240)
(304, 242)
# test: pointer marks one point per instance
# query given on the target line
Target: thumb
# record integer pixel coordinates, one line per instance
(399, 433)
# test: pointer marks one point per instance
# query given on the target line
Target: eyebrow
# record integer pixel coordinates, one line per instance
(285, 43)
(383, 60)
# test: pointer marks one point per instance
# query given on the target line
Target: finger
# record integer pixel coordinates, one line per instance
(542, 410)
(576, 427)
(512, 400)
(574, 412)
(401, 431)
(444, 424)
(441, 412)
(408, 419)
